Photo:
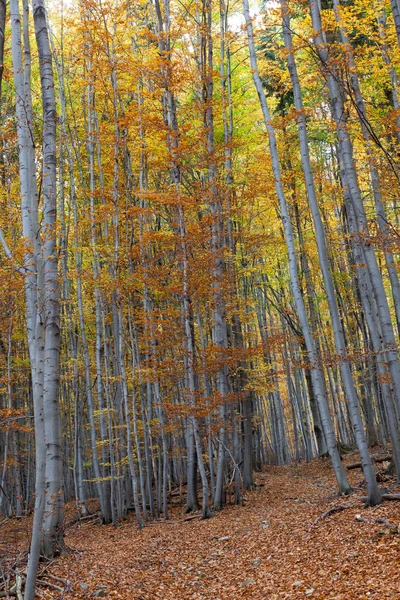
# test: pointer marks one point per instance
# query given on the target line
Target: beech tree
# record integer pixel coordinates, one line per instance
(199, 273)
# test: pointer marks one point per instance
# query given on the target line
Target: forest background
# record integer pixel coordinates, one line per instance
(200, 233)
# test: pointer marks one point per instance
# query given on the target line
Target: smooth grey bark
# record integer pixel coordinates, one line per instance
(395, 4)
(131, 461)
(33, 277)
(102, 473)
(79, 286)
(207, 391)
(371, 317)
(52, 536)
(109, 410)
(375, 178)
(80, 498)
(3, 14)
(318, 430)
(316, 368)
(171, 121)
(374, 496)
(146, 418)
(85, 348)
(190, 369)
(394, 82)
(346, 152)
(4, 496)
(116, 297)
(219, 331)
(136, 366)
(240, 379)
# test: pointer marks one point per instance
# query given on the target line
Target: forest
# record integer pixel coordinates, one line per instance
(199, 299)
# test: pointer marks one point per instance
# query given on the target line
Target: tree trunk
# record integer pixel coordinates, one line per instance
(316, 370)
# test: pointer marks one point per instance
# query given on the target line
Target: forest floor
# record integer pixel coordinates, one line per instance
(272, 547)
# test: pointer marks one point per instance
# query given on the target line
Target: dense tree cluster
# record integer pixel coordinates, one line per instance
(199, 234)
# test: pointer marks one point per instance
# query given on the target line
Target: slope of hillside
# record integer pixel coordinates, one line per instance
(272, 547)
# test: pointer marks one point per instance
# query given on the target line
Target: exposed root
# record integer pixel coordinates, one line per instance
(381, 521)
(340, 507)
(387, 497)
(331, 511)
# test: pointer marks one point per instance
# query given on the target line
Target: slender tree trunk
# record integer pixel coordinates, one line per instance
(316, 370)
(374, 496)
(375, 179)
(395, 4)
(52, 531)
(351, 182)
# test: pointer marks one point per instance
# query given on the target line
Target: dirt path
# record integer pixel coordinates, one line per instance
(260, 550)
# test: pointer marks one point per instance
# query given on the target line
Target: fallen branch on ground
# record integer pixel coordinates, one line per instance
(185, 520)
(298, 500)
(11, 592)
(80, 519)
(50, 585)
(64, 581)
(381, 521)
(190, 518)
(377, 459)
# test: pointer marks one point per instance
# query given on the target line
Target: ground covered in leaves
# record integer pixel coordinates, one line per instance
(272, 547)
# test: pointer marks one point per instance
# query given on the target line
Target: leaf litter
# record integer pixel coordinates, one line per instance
(275, 546)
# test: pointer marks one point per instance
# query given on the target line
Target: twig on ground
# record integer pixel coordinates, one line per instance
(298, 500)
(11, 592)
(18, 585)
(64, 581)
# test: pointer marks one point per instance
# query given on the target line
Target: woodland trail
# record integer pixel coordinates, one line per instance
(263, 549)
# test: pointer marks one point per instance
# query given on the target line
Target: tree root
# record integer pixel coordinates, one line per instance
(331, 511)
(387, 497)
(340, 507)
